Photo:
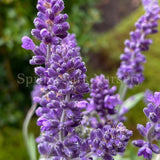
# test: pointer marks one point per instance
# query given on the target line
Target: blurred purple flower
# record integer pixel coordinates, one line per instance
(131, 68)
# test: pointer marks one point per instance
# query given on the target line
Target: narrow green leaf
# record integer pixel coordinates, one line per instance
(32, 147)
(122, 85)
(133, 100)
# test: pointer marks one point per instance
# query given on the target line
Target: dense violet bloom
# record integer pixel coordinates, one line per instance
(50, 22)
(61, 81)
(60, 111)
(152, 130)
(103, 98)
(131, 68)
(72, 147)
(109, 141)
(103, 101)
(51, 26)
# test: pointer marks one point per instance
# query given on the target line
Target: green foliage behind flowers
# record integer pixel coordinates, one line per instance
(16, 19)
(14, 22)
(82, 16)
(11, 145)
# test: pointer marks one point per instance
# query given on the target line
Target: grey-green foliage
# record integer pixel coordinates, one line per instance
(133, 100)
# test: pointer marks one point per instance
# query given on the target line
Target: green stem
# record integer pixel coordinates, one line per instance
(48, 55)
(26, 124)
(149, 134)
(122, 92)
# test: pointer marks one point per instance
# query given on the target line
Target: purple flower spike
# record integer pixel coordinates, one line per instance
(131, 69)
(109, 141)
(103, 100)
(103, 97)
(62, 100)
(51, 26)
(152, 130)
(61, 83)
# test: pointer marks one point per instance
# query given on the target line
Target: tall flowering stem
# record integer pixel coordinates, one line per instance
(131, 68)
(103, 101)
(152, 130)
(60, 114)
(62, 77)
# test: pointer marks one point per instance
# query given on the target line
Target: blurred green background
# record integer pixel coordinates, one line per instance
(101, 26)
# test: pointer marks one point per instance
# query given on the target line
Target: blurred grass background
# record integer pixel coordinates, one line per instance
(101, 28)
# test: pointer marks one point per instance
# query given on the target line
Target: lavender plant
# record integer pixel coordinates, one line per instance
(131, 69)
(152, 130)
(73, 127)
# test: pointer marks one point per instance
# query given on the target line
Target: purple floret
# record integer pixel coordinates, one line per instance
(153, 109)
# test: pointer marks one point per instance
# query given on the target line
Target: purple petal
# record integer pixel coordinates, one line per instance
(27, 43)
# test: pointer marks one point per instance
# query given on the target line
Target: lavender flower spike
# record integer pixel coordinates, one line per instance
(152, 130)
(103, 99)
(102, 102)
(50, 28)
(62, 80)
(66, 85)
(131, 69)
(60, 112)
(109, 141)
